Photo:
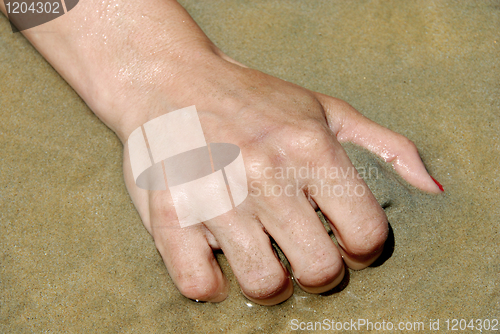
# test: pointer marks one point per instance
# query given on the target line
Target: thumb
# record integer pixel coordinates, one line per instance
(351, 126)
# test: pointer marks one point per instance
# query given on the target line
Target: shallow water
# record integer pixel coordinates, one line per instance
(76, 258)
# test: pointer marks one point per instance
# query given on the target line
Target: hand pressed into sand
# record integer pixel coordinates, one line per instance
(279, 125)
(144, 59)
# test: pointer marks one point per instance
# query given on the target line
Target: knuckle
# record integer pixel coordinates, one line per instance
(196, 287)
(408, 145)
(308, 137)
(370, 238)
(323, 271)
(287, 143)
(312, 132)
(267, 286)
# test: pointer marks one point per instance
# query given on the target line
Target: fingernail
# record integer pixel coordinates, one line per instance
(438, 184)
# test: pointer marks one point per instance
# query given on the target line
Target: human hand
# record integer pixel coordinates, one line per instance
(136, 61)
(279, 126)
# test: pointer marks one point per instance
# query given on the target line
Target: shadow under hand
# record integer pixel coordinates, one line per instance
(386, 254)
(387, 251)
(342, 285)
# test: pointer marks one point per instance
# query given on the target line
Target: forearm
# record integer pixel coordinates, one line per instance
(106, 49)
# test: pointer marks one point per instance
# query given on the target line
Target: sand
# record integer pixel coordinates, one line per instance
(75, 257)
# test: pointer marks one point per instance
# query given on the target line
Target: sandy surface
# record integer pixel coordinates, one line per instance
(75, 257)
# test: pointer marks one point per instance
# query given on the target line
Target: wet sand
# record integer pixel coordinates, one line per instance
(75, 257)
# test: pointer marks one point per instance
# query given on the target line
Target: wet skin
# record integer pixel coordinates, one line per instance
(131, 65)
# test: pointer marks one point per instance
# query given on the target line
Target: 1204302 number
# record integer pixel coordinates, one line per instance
(472, 324)
(39, 8)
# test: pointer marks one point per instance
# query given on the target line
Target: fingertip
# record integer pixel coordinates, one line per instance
(277, 296)
(438, 184)
(202, 288)
(223, 291)
(389, 145)
(326, 287)
(412, 169)
(360, 262)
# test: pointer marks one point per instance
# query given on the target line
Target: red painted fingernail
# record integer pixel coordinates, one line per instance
(438, 184)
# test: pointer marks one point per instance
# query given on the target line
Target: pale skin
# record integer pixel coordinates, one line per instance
(132, 61)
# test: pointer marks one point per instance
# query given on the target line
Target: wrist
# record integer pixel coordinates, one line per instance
(125, 72)
(126, 97)
(127, 59)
